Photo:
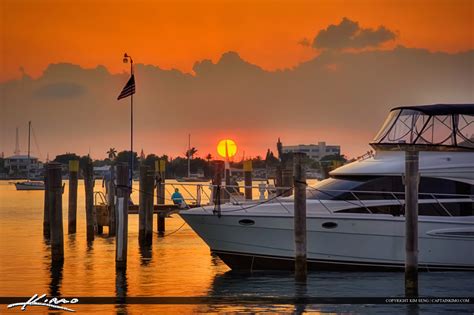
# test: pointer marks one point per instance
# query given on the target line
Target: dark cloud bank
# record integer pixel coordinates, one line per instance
(338, 96)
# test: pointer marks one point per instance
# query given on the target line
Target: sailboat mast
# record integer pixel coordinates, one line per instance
(29, 136)
(189, 155)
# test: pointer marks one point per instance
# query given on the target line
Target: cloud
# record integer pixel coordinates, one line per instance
(62, 90)
(338, 97)
(348, 34)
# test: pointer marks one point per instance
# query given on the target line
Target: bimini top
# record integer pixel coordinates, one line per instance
(440, 127)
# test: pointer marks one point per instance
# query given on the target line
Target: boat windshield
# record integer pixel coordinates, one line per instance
(434, 127)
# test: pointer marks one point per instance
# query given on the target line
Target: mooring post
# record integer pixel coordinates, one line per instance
(88, 172)
(145, 213)
(111, 202)
(226, 194)
(72, 199)
(287, 179)
(161, 223)
(121, 237)
(217, 181)
(160, 168)
(198, 194)
(46, 224)
(299, 182)
(55, 196)
(248, 179)
(411, 222)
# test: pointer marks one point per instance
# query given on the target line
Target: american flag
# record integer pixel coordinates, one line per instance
(128, 89)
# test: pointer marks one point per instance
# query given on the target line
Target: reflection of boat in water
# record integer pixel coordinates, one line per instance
(29, 185)
(355, 219)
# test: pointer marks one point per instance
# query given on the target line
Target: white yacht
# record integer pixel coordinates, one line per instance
(355, 218)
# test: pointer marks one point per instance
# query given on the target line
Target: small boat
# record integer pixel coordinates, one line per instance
(29, 185)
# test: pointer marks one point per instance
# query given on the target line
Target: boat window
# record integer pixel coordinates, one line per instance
(431, 209)
(426, 209)
(459, 209)
(382, 187)
(394, 210)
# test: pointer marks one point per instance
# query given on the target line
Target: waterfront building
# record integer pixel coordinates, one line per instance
(17, 166)
(314, 151)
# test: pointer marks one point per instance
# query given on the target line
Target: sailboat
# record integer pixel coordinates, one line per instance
(28, 184)
(191, 177)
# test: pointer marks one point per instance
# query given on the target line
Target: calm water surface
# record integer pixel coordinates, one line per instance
(179, 264)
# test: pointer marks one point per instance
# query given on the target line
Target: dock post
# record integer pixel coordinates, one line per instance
(299, 182)
(248, 179)
(72, 199)
(111, 202)
(145, 213)
(121, 237)
(226, 194)
(88, 172)
(198, 194)
(46, 224)
(55, 196)
(411, 222)
(287, 178)
(217, 180)
(160, 168)
(161, 223)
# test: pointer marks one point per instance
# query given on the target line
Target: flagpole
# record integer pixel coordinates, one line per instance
(131, 131)
(126, 57)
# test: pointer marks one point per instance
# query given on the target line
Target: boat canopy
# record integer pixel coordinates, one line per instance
(440, 127)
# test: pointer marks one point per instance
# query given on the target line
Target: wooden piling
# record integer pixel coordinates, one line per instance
(55, 196)
(72, 199)
(145, 213)
(299, 182)
(411, 222)
(111, 202)
(88, 173)
(160, 168)
(226, 191)
(46, 224)
(287, 179)
(248, 179)
(121, 237)
(161, 223)
(217, 181)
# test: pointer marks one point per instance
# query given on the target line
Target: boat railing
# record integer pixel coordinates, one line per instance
(200, 195)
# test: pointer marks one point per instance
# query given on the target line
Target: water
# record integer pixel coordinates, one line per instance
(179, 264)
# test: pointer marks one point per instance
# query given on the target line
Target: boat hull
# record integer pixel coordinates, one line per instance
(246, 242)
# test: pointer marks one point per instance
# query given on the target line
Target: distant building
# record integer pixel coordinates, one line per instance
(17, 165)
(314, 151)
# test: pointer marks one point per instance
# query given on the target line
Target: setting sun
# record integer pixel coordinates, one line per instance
(231, 148)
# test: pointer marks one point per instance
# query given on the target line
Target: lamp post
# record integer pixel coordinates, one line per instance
(126, 58)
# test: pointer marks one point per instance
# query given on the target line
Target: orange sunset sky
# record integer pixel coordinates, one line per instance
(177, 34)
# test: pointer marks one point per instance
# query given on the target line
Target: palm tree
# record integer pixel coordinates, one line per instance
(208, 158)
(190, 153)
(112, 153)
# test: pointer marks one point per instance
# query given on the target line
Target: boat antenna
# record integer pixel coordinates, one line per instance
(17, 143)
(29, 138)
